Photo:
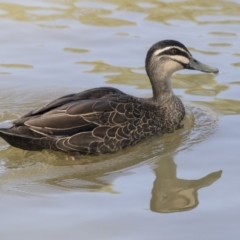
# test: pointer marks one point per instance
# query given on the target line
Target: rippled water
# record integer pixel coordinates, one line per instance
(180, 186)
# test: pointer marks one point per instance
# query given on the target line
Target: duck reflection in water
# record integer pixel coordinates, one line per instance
(171, 194)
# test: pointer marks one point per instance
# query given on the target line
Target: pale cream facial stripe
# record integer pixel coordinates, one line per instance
(167, 48)
(181, 59)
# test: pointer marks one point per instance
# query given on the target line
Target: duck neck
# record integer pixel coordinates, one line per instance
(161, 85)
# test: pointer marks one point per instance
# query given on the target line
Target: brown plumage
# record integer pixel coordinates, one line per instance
(103, 120)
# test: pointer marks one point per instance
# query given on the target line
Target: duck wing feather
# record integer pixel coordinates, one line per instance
(95, 121)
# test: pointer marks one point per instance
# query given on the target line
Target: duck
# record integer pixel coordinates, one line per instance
(105, 119)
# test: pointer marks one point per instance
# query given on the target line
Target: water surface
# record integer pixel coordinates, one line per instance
(183, 185)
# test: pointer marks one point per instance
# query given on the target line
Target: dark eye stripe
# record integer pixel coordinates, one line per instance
(178, 52)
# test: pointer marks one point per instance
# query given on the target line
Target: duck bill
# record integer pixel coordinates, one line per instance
(196, 65)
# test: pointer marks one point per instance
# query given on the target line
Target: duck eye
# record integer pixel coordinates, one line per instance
(173, 51)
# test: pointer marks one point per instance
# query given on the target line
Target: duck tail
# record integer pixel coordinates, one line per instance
(6, 125)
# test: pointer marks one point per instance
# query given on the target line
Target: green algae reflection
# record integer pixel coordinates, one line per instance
(223, 106)
(119, 75)
(101, 13)
(198, 84)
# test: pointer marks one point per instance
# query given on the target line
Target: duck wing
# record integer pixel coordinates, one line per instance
(94, 93)
(95, 121)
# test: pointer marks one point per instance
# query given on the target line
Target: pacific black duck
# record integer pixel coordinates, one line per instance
(103, 120)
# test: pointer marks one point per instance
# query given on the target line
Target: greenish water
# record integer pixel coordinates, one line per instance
(183, 185)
